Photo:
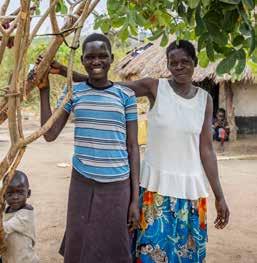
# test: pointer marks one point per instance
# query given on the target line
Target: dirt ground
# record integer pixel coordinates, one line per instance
(50, 183)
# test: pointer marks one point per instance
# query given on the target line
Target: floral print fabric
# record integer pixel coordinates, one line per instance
(171, 230)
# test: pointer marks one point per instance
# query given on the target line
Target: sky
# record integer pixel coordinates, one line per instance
(46, 27)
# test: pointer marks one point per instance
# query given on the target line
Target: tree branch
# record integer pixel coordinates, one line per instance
(54, 23)
(4, 7)
(42, 19)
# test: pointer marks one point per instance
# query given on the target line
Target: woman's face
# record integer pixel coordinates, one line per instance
(181, 65)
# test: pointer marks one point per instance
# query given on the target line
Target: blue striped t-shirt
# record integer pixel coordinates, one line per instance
(100, 151)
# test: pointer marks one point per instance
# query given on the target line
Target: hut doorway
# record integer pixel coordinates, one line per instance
(213, 90)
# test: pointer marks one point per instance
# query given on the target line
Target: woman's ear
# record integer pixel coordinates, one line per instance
(112, 58)
(29, 193)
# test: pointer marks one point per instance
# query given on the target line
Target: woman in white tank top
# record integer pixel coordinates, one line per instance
(178, 164)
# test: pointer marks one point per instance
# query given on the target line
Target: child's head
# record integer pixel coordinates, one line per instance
(18, 191)
(221, 114)
(97, 56)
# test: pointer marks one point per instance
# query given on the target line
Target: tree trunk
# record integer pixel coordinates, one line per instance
(230, 110)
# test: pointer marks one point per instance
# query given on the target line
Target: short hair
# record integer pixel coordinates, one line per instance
(97, 37)
(20, 176)
(222, 110)
(186, 45)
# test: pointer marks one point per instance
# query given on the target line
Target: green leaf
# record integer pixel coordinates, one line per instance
(230, 20)
(203, 59)
(181, 9)
(214, 17)
(164, 18)
(140, 20)
(61, 7)
(227, 63)
(156, 35)
(64, 9)
(210, 50)
(190, 16)
(105, 26)
(218, 36)
(252, 42)
(206, 2)
(118, 22)
(133, 30)
(124, 33)
(58, 7)
(201, 41)
(193, 3)
(244, 29)
(233, 2)
(200, 25)
(113, 5)
(238, 40)
(222, 50)
(249, 4)
(254, 56)
(241, 62)
(164, 40)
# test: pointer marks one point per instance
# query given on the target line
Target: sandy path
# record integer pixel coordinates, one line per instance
(50, 185)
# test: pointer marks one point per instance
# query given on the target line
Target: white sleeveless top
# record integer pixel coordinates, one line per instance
(172, 164)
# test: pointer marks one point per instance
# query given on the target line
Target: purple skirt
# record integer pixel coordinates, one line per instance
(96, 229)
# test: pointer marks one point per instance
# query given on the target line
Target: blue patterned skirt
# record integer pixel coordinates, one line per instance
(171, 230)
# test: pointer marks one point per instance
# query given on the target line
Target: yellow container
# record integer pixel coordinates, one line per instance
(142, 131)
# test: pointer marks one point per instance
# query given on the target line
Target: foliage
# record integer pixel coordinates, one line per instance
(61, 7)
(57, 82)
(224, 29)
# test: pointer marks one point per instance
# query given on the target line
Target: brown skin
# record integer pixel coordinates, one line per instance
(181, 65)
(16, 195)
(97, 60)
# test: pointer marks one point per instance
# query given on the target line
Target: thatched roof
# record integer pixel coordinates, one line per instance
(151, 62)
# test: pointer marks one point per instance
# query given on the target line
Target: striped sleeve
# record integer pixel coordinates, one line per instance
(131, 108)
(68, 105)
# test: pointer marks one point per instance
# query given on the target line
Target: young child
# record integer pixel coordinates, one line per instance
(19, 222)
(103, 196)
(220, 127)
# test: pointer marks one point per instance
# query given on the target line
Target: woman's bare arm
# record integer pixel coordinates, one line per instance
(209, 161)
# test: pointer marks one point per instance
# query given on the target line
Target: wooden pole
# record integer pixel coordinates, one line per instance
(230, 109)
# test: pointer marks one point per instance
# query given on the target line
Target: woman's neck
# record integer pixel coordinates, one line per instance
(183, 89)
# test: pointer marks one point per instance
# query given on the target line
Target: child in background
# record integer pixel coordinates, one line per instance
(220, 127)
(19, 222)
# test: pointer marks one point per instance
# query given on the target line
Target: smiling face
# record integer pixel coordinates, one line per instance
(97, 59)
(181, 65)
(17, 194)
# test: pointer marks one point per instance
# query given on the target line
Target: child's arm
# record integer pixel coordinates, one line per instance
(46, 112)
(17, 223)
(134, 161)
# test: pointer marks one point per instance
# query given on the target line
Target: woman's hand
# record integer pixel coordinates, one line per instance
(55, 67)
(44, 82)
(222, 213)
(133, 216)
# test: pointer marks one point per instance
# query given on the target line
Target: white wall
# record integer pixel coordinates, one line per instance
(245, 99)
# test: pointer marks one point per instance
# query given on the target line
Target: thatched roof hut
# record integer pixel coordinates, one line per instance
(151, 62)
(239, 98)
